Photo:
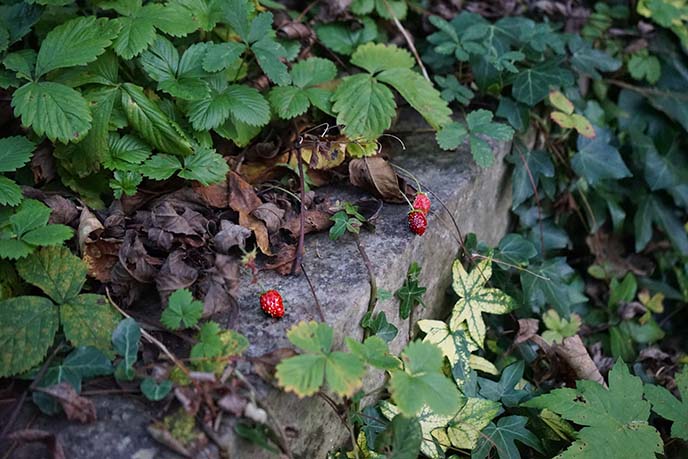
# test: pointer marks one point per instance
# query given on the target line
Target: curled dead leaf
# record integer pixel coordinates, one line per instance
(270, 214)
(230, 236)
(76, 407)
(376, 176)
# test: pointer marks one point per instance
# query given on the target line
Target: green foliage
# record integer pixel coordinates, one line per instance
(27, 228)
(669, 407)
(377, 325)
(15, 153)
(365, 105)
(307, 76)
(126, 339)
(182, 310)
(215, 346)
(502, 437)
(643, 66)
(615, 419)
(155, 391)
(348, 219)
(411, 293)
(478, 123)
(422, 382)
(559, 328)
(505, 390)
(306, 373)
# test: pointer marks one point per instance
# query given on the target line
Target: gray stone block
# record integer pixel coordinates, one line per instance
(478, 199)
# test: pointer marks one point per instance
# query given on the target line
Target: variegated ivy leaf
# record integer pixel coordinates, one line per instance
(475, 298)
(475, 415)
(432, 425)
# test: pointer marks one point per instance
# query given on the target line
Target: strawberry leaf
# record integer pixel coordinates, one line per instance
(89, 320)
(205, 166)
(182, 311)
(55, 271)
(15, 152)
(27, 328)
(306, 373)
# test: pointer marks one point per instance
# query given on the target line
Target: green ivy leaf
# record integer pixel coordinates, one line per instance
(527, 164)
(669, 407)
(27, 328)
(465, 428)
(411, 293)
(475, 298)
(54, 110)
(306, 373)
(379, 326)
(422, 382)
(431, 426)
(15, 152)
(75, 42)
(551, 282)
(125, 340)
(515, 250)
(615, 419)
(89, 320)
(590, 61)
(502, 437)
(505, 389)
(55, 271)
(597, 159)
(87, 362)
(182, 311)
(154, 391)
(532, 85)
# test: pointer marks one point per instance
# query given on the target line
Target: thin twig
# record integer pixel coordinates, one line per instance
(318, 308)
(302, 217)
(409, 40)
(342, 418)
(150, 338)
(371, 276)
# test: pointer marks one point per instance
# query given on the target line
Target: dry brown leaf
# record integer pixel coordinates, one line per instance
(376, 176)
(314, 221)
(242, 197)
(76, 407)
(527, 328)
(175, 274)
(270, 214)
(230, 236)
(216, 195)
(259, 229)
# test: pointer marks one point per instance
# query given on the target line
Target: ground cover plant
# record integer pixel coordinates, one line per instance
(156, 153)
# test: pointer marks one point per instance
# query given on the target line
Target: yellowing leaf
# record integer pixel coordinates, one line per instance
(561, 102)
(432, 426)
(475, 298)
(475, 415)
(574, 121)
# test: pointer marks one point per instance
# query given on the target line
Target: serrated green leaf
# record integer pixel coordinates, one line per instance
(152, 123)
(475, 298)
(179, 77)
(312, 72)
(14, 249)
(237, 131)
(643, 66)
(125, 182)
(160, 166)
(289, 101)
(364, 106)
(89, 320)
(125, 152)
(615, 419)
(340, 37)
(182, 311)
(304, 374)
(502, 437)
(85, 158)
(135, 35)
(375, 57)
(420, 94)
(55, 271)
(54, 110)
(451, 136)
(205, 166)
(154, 391)
(559, 328)
(15, 152)
(373, 351)
(27, 328)
(669, 407)
(48, 235)
(422, 382)
(236, 13)
(221, 56)
(31, 214)
(268, 53)
(76, 42)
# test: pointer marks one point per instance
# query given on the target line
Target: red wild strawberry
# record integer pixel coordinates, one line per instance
(271, 303)
(422, 203)
(417, 222)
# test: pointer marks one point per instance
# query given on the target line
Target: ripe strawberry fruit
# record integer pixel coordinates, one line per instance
(271, 303)
(417, 222)
(422, 203)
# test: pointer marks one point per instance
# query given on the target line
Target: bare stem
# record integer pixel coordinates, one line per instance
(318, 308)
(299, 248)
(371, 276)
